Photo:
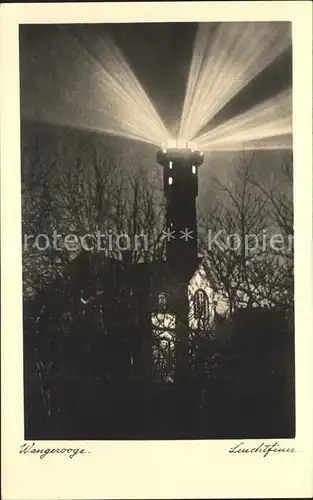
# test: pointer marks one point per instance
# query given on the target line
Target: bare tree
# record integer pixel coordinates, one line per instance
(278, 264)
(89, 195)
(240, 262)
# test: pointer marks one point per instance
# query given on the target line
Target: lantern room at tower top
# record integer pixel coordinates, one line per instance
(180, 160)
(178, 150)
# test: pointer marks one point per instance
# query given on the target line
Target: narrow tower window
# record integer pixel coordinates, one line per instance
(193, 169)
(170, 180)
(171, 165)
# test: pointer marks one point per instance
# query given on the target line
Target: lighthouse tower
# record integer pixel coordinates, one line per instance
(180, 161)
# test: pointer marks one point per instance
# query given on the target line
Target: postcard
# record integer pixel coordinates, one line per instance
(156, 218)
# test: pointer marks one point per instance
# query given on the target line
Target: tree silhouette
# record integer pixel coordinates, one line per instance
(243, 266)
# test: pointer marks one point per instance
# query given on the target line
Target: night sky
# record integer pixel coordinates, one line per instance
(159, 55)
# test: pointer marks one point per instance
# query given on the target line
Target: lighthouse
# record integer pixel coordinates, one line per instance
(181, 160)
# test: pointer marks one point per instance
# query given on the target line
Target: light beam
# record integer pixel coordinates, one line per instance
(267, 125)
(100, 92)
(223, 66)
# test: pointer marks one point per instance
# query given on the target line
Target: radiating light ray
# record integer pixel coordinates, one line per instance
(119, 74)
(265, 121)
(107, 131)
(283, 142)
(100, 92)
(221, 68)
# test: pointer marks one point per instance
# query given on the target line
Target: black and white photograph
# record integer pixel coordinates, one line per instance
(156, 250)
(157, 231)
